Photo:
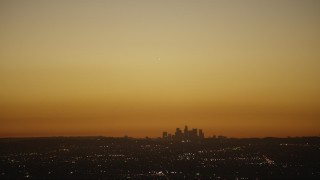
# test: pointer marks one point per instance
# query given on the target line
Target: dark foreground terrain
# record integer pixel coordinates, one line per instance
(124, 158)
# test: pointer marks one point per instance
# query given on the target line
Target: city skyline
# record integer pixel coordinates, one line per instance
(136, 68)
(186, 135)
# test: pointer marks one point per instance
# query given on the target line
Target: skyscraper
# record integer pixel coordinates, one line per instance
(186, 132)
(193, 134)
(164, 135)
(201, 134)
(178, 134)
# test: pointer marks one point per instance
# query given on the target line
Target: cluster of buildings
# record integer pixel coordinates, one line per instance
(186, 135)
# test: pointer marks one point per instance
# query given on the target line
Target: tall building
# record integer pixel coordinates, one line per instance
(164, 135)
(178, 134)
(186, 132)
(193, 134)
(201, 134)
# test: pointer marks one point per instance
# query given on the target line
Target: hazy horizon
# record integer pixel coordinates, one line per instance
(145, 137)
(138, 68)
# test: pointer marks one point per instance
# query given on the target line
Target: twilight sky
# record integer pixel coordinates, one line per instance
(124, 67)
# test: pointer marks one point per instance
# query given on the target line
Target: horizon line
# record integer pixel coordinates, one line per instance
(147, 137)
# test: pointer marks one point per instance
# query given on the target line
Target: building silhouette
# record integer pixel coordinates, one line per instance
(186, 136)
(164, 135)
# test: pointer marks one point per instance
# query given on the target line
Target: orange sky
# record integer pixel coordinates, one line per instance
(137, 68)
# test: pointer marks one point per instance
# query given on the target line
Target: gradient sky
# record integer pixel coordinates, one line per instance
(137, 68)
